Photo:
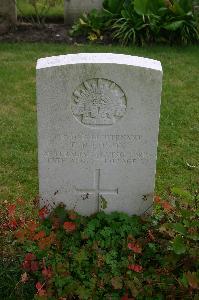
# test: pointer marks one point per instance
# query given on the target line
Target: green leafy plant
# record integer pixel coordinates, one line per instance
(96, 23)
(113, 7)
(180, 23)
(144, 21)
(91, 25)
(152, 21)
(134, 28)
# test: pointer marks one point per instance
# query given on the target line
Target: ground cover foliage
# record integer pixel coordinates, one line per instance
(106, 256)
(141, 22)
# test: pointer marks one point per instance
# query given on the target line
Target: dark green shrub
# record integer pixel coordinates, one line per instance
(135, 28)
(113, 7)
(92, 26)
(142, 21)
(176, 22)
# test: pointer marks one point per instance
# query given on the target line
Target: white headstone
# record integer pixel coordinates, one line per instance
(73, 9)
(98, 122)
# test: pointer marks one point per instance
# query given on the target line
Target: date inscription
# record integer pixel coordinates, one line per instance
(108, 149)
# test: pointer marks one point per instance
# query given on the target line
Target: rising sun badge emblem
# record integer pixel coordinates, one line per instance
(99, 102)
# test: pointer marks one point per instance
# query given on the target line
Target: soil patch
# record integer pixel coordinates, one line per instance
(27, 32)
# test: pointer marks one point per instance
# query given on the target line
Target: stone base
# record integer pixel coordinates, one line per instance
(8, 15)
(4, 27)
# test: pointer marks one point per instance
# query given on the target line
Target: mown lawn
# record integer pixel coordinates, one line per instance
(179, 125)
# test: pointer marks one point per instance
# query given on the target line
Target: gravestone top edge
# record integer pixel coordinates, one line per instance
(98, 58)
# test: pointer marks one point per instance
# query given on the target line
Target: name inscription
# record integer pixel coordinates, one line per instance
(108, 148)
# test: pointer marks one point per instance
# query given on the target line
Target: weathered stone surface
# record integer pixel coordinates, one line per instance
(74, 8)
(98, 121)
(8, 15)
(4, 26)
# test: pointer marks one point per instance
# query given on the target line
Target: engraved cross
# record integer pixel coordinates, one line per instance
(97, 191)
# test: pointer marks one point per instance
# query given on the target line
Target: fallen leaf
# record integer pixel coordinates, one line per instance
(24, 277)
(117, 283)
(193, 280)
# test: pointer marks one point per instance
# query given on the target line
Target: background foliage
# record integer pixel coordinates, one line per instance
(39, 11)
(141, 21)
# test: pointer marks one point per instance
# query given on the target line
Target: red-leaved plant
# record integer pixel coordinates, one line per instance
(69, 256)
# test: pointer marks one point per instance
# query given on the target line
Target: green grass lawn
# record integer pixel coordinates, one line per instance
(179, 125)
